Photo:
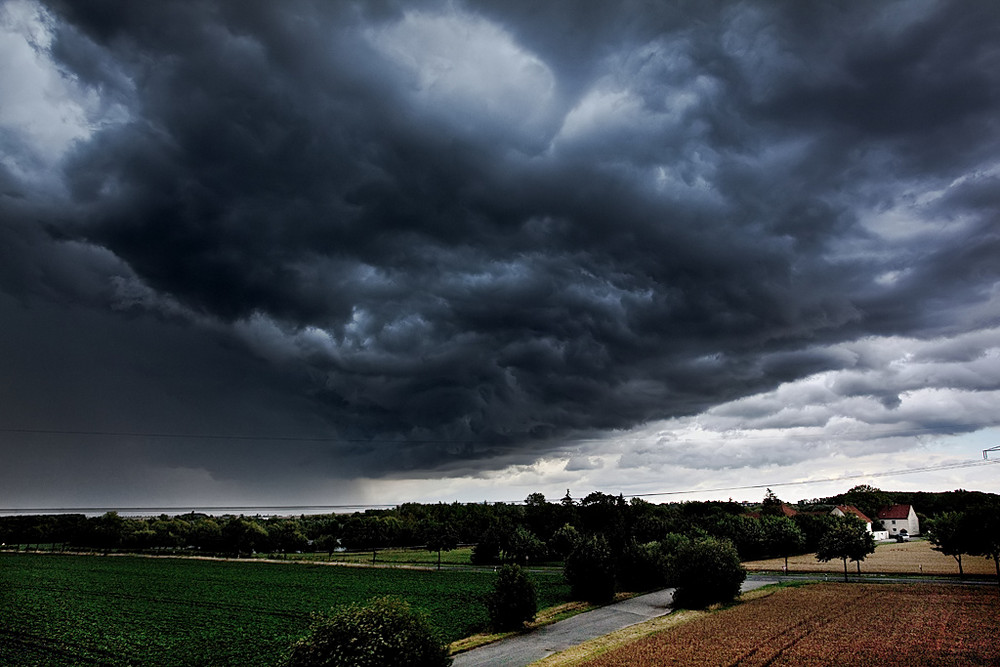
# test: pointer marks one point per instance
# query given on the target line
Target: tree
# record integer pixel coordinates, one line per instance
(385, 631)
(640, 567)
(564, 541)
(981, 526)
(240, 535)
(782, 537)
(704, 571)
(771, 505)
(522, 546)
(948, 536)
(439, 537)
(487, 548)
(847, 539)
(513, 600)
(590, 571)
(868, 499)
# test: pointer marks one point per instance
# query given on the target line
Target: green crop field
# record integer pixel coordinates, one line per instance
(123, 610)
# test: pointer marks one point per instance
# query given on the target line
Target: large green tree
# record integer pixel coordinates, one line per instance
(981, 526)
(847, 539)
(439, 537)
(948, 533)
(782, 536)
(868, 499)
(590, 570)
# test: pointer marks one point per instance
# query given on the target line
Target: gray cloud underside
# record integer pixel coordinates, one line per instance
(565, 219)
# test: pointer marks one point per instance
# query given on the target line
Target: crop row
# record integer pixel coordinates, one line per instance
(833, 624)
(127, 610)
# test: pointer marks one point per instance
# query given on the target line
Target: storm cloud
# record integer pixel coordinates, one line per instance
(441, 238)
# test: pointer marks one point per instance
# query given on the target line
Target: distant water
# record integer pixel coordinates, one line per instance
(263, 510)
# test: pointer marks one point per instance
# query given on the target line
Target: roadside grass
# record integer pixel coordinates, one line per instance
(546, 616)
(915, 557)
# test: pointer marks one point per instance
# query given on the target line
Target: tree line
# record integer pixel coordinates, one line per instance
(537, 530)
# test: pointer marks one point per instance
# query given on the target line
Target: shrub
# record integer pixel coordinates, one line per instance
(487, 550)
(513, 601)
(704, 571)
(564, 540)
(590, 571)
(641, 567)
(385, 631)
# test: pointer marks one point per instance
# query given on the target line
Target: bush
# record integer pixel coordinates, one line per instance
(385, 631)
(487, 550)
(640, 567)
(513, 601)
(704, 571)
(564, 540)
(590, 571)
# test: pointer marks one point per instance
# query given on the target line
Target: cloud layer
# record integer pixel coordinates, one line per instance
(455, 236)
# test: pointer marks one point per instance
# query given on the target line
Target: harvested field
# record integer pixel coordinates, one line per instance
(834, 624)
(916, 557)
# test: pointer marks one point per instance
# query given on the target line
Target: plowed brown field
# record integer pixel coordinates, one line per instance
(834, 624)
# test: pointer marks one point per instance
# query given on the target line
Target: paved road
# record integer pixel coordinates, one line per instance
(524, 649)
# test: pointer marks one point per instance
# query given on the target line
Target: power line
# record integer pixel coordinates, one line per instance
(841, 478)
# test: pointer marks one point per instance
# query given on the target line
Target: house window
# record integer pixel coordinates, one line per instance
(894, 522)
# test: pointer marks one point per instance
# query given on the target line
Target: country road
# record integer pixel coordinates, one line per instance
(524, 649)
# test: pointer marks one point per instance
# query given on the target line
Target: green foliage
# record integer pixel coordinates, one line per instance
(522, 546)
(241, 536)
(847, 538)
(771, 506)
(868, 499)
(704, 571)
(641, 567)
(782, 536)
(513, 600)
(564, 540)
(949, 535)
(488, 547)
(745, 532)
(439, 537)
(385, 631)
(590, 571)
(814, 527)
(982, 528)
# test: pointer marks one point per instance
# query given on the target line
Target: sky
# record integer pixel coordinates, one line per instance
(261, 253)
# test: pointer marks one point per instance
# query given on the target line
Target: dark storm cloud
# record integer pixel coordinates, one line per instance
(474, 228)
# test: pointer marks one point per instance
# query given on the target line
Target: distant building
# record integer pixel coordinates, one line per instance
(851, 510)
(898, 518)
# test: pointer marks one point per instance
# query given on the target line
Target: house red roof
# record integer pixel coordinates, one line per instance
(851, 509)
(894, 512)
(788, 511)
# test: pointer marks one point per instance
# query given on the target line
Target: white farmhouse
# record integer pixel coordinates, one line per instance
(899, 518)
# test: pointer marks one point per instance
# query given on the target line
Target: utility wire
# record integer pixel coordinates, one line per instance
(841, 478)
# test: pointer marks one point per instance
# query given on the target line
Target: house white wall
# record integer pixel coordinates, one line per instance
(911, 524)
